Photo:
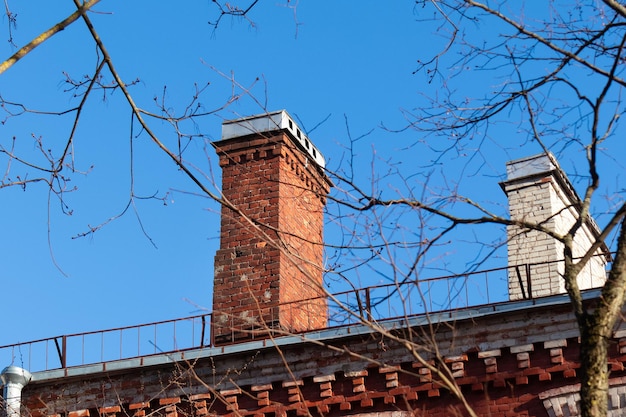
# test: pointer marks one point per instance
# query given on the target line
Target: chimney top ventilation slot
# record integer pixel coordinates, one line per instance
(269, 122)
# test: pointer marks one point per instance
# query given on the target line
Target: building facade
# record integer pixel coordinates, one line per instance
(271, 352)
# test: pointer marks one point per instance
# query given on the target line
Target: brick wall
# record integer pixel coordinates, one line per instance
(521, 362)
(531, 201)
(271, 249)
(302, 199)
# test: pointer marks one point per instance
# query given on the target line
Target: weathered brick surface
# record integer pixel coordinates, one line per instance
(271, 249)
(499, 374)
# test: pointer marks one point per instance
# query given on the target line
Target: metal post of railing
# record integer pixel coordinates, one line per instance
(193, 333)
(212, 331)
(430, 297)
(64, 345)
(519, 280)
(359, 303)
(529, 282)
(61, 350)
(174, 343)
(465, 284)
(202, 330)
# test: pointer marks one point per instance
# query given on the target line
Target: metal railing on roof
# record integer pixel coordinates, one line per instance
(405, 299)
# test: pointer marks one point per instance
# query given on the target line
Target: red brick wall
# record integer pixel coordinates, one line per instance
(302, 203)
(507, 371)
(308, 379)
(271, 238)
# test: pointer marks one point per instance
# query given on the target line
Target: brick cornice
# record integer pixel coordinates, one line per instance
(538, 364)
(514, 362)
(248, 148)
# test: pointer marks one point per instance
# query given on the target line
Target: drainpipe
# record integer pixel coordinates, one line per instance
(14, 379)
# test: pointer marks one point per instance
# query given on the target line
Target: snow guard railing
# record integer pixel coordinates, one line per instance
(405, 299)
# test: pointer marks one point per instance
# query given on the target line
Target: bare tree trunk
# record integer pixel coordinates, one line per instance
(594, 372)
(596, 329)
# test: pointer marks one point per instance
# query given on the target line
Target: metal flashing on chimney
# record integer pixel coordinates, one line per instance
(271, 122)
(531, 165)
(520, 170)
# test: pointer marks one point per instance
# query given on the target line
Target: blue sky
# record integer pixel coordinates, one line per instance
(348, 69)
(314, 65)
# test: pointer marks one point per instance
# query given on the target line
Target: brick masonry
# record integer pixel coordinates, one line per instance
(521, 362)
(271, 249)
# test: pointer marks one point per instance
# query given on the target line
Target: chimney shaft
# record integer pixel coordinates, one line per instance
(540, 193)
(271, 239)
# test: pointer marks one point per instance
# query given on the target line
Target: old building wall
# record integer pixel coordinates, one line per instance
(507, 363)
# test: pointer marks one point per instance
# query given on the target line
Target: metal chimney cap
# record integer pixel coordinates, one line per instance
(271, 122)
(531, 165)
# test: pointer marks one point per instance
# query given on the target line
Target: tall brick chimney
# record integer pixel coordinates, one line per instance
(268, 270)
(539, 192)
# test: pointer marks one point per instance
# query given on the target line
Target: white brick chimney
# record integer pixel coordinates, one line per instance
(539, 192)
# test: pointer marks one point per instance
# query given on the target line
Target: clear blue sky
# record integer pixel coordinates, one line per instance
(323, 61)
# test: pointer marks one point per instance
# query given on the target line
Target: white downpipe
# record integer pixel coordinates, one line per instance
(14, 379)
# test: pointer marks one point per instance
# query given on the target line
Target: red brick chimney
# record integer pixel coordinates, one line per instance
(271, 239)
